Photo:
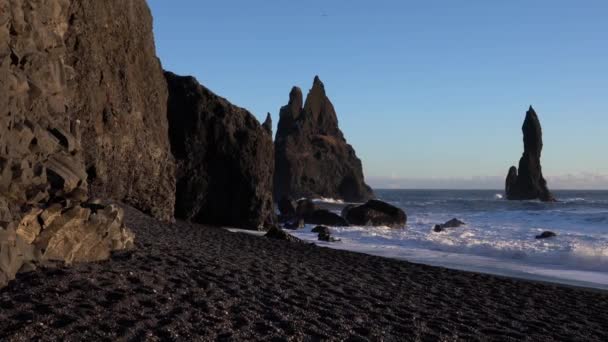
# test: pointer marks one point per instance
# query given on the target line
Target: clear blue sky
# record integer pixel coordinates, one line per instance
(423, 90)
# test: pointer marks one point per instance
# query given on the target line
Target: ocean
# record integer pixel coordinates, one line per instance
(499, 236)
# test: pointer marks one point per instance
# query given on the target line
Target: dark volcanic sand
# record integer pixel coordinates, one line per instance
(188, 282)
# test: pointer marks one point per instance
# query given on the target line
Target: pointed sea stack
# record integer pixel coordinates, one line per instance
(528, 183)
(267, 125)
(312, 158)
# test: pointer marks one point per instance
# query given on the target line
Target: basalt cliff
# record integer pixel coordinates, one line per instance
(224, 158)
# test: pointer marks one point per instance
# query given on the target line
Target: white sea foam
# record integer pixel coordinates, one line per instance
(499, 238)
(327, 200)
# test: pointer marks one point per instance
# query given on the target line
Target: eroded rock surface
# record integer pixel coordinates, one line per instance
(119, 94)
(224, 158)
(312, 156)
(43, 180)
(528, 182)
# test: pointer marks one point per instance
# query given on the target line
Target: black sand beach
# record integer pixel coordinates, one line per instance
(188, 282)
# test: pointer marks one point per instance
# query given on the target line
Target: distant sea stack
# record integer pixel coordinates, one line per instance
(528, 182)
(224, 158)
(312, 157)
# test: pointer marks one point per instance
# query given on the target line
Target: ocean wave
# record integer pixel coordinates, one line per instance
(327, 200)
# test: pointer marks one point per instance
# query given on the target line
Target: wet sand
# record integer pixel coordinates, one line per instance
(189, 282)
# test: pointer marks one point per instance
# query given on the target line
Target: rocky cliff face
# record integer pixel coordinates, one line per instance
(528, 182)
(312, 157)
(45, 213)
(119, 94)
(224, 158)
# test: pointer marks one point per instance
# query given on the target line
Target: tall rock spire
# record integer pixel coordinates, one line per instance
(312, 158)
(528, 182)
(267, 125)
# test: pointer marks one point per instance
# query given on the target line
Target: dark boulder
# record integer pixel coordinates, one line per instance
(376, 213)
(546, 234)
(320, 229)
(324, 234)
(326, 217)
(453, 223)
(346, 209)
(312, 156)
(528, 182)
(224, 158)
(276, 233)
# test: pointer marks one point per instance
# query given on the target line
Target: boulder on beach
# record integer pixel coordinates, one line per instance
(324, 234)
(376, 213)
(312, 157)
(453, 223)
(527, 182)
(276, 233)
(546, 234)
(224, 158)
(325, 217)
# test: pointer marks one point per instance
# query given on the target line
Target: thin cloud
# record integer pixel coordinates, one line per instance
(583, 181)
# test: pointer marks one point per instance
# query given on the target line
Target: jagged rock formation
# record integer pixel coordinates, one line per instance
(64, 67)
(267, 125)
(528, 182)
(312, 158)
(224, 158)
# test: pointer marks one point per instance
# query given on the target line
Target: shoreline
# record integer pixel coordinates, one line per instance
(188, 282)
(495, 271)
(499, 272)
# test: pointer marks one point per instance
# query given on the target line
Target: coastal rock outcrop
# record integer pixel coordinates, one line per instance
(325, 217)
(324, 234)
(376, 213)
(312, 214)
(82, 114)
(312, 157)
(276, 233)
(527, 182)
(453, 223)
(117, 90)
(546, 234)
(224, 158)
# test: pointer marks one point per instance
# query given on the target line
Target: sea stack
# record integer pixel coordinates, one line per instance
(528, 182)
(224, 158)
(312, 157)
